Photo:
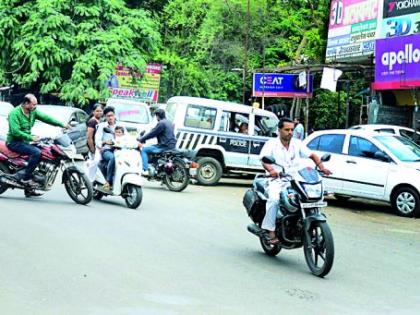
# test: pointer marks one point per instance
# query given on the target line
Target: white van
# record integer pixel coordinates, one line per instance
(133, 115)
(212, 129)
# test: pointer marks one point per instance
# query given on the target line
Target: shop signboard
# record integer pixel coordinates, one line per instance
(400, 7)
(352, 29)
(397, 63)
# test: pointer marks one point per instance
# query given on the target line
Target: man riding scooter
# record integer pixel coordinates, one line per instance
(21, 120)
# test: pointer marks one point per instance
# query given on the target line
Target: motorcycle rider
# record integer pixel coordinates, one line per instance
(104, 141)
(287, 151)
(164, 132)
(21, 120)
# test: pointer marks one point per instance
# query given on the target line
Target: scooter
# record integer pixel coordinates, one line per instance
(127, 181)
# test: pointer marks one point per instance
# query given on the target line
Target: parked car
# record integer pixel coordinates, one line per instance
(397, 130)
(211, 128)
(67, 115)
(5, 109)
(133, 115)
(378, 166)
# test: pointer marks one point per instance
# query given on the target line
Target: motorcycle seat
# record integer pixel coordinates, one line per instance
(9, 153)
(261, 184)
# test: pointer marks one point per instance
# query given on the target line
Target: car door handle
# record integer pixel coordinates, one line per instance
(351, 162)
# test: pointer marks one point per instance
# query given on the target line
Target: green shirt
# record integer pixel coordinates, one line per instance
(20, 125)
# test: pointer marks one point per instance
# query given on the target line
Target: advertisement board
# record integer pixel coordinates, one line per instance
(142, 87)
(400, 25)
(400, 7)
(397, 63)
(279, 85)
(352, 29)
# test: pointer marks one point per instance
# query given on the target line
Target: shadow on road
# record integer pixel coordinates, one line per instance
(362, 205)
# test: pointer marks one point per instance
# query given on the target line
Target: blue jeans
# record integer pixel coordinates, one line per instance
(108, 156)
(30, 150)
(147, 150)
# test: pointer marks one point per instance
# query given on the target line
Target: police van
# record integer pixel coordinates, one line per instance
(227, 137)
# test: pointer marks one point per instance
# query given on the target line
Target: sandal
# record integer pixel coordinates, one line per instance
(107, 186)
(271, 241)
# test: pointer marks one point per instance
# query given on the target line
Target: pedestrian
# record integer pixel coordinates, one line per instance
(299, 131)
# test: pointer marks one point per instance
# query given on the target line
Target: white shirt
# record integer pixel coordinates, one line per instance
(289, 158)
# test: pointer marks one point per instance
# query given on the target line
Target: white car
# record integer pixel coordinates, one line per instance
(5, 109)
(372, 165)
(397, 130)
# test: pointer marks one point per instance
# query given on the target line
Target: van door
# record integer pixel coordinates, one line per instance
(262, 128)
(234, 137)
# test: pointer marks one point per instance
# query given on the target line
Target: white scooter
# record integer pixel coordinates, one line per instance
(127, 178)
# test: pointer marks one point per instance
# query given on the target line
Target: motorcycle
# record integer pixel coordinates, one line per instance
(173, 168)
(56, 154)
(300, 222)
(127, 181)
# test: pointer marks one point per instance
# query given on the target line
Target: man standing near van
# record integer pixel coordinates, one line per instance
(164, 132)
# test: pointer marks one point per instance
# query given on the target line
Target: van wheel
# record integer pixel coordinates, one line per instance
(209, 171)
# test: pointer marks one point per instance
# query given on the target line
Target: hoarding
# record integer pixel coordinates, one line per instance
(400, 25)
(397, 63)
(143, 87)
(352, 29)
(400, 7)
(279, 85)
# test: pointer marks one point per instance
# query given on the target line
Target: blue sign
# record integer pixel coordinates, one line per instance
(280, 85)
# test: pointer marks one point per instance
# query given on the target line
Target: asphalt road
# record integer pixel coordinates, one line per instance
(190, 253)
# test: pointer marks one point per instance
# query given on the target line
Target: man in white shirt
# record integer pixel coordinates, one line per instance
(287, 152)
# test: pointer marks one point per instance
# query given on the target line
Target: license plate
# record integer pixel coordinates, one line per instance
(193, 172)
(319, 204)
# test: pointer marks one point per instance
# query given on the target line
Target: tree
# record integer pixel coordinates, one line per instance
(71, 47)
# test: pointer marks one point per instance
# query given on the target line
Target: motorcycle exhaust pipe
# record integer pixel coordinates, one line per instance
(254, 229)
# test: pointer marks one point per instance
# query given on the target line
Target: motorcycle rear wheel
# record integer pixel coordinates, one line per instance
(3, 186)
(179, 179)
(78, 187)
(320, 247)
(133, 196)
(270, 250)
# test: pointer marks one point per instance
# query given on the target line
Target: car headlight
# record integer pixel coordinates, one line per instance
(313, 191)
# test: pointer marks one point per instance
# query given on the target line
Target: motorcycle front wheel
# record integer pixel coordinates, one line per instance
(132, 195)
(319, 249)
(78, 187)
(179, 179)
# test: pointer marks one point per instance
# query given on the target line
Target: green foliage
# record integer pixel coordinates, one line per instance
(72, 47)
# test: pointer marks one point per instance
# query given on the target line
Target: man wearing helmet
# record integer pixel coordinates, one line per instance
(287, 152)
(164, 133)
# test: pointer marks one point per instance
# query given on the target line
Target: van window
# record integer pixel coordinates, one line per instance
(171, 110)
(232, 121)
(265, 126)
(200, 117)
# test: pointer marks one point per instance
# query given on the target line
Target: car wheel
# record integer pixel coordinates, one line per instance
(406, 202)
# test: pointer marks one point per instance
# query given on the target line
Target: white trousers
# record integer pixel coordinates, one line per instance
(271, 208)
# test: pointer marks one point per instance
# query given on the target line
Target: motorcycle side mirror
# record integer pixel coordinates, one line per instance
(107, 130)
(268, 160)
(326, 157)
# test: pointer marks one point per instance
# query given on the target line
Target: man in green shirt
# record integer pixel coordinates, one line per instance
(21, 120)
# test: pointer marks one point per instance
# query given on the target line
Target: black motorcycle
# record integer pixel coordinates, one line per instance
(173, 168)
(300, 221)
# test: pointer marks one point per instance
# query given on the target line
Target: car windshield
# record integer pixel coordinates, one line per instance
(131, 113)
(404, 149)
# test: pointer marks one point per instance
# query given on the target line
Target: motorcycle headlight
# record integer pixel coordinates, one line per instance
(313, 191)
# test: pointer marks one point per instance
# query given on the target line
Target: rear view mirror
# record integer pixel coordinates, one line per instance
(107, 130)
(268, 160)
(326, 157)
(73, 123)
(142, 133)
